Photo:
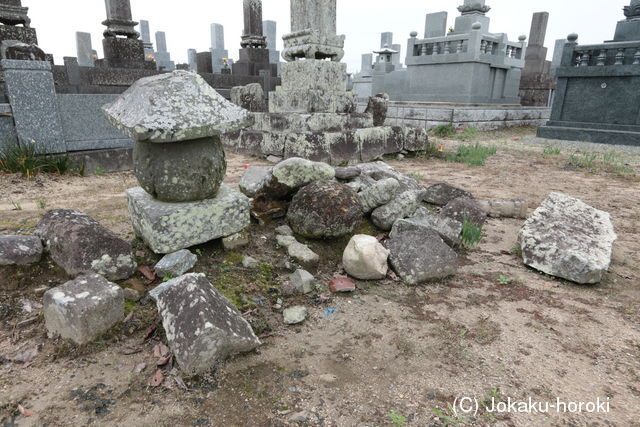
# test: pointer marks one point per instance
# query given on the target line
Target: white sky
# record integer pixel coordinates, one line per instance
(186, 22)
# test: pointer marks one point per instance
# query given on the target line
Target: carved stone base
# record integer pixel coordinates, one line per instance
(21, 34)
(124, 53)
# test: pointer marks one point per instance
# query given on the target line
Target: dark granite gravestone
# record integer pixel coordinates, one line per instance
(598, 94)
(537, 84)
(126, 51)
(254, 55)
(13, 14)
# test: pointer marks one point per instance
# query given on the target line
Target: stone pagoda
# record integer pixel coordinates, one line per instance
(121, 44)
(254, 55)
(12, 15)
(598, 94)
(312, 114)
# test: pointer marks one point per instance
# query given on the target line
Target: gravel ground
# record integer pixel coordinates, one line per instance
(583, 146)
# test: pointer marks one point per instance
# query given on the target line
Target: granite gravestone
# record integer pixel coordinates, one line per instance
(537, 84)
(145, 35)
(163, 57)
(598, 93)
(13, 14)
(192, 59)
(254, 55)
(121, 44)
(84, 49)
(218, 52)
(270, 31)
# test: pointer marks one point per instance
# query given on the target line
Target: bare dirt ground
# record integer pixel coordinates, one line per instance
(387, 353)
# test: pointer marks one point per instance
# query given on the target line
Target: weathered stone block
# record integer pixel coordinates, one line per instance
(169, 227)
(312, 101)
(20, 250)
(314, 75)
(83, 308)
(307, 145)
(176, 264)
(79, 244)
(202, 326)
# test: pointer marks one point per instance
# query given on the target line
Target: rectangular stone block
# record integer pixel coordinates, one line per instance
(308, 145)
(371, 142)
(169, 227)
(83, 308)
(21, 34)
(311, 101)
(32, 96)
(342, 147)
(435, 25)
(314, 74)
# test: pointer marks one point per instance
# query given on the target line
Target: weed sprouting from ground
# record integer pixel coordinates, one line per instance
(444, 131)
(397, 418)
(469, 133)
(25, 159)
(609, 162)
(551, 150)
(473, 155)
(471, 233)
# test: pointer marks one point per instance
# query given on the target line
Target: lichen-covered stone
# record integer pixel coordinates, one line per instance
(378, 106)
(202, 327)
(296, 172)
(249, 97)
(254, 179)
(380, 170)
(365, 258)
(401, 206)
(235, 241)
(186, 172)
(420, 255)
(324, 209)
(380, 193)
(83, 308)
(20, 250)
(465, 208)
(303, 255)
(169, 227)
(449, 229)
(442, 193)
(567, 238)
(347, 173)
(176, 264)
(80, 245)
(173, 107)
(302, 281)
(295, 315)
(516, 208)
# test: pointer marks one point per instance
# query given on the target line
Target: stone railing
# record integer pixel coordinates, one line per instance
(442, 46)
(616, 53)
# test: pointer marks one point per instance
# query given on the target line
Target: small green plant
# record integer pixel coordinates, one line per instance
(397, 418)
(444, 131)
(582, 160)
(198, 252)
(504, 280)
(473, 155)
(550, 150)
(415, 175)
(472, 233)
(42, 204)
(25, 159)
(167, 278)
(16, 205)
(446, 417)
(57, 164)
(469, 133)
(99, 171)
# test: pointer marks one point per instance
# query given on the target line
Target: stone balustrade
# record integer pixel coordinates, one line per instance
(607, 54)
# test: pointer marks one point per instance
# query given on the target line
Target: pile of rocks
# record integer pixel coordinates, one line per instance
(176, 121)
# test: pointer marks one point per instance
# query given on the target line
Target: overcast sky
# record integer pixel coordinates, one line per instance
(186, 22)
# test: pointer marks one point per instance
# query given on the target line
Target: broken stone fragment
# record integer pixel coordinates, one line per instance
(296, 172)
(176, 264)
(516, 208)
(303, 281)
(202, 326)
(295, 315)
(20, 250)
(84, 308)
(380, 193)
(303, 255)
(249, 97)
(401, 206)
(567, 238)
(284, 230)
(419, 255)
(347, 173)
(254, 179)
(249, 262)
(449, 229)
(235, 241)
(442, 193)
(465, 208)
(324, 209)
(80, 245)
(341, 285)
(365, 258)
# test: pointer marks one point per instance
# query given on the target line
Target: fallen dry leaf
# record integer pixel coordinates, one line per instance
(157, 378)
(163, 360)
(24, 411)
(147, 272)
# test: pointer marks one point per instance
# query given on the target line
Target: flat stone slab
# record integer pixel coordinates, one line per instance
(202, 326)
(567, 238)
(176, 264)
(83, 308)
(20, 250)
(80, 245)
(169, 227)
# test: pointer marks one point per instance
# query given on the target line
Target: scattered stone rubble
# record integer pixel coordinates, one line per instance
(20, 250)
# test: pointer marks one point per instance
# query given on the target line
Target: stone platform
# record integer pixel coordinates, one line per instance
(169, 227)
(592, 132)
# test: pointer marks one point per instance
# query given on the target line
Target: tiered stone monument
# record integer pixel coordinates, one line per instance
(362, 79)
(312, 115)
(218, 52)
(537, 84)
(598, 93)
(469, 65)
(12, 15)
(270, 29)
(176, 120)
(163, 57)
(254, 55)
(145, 35)
(121, 44)
(84, 50)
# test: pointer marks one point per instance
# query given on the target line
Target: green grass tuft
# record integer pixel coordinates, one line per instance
(26, 160)
(474, 155)
(469, 133)
(550, 150)
(472, 234)
(444, 131)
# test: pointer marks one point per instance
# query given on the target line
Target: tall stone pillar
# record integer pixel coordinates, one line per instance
(84, 50)
(254, 55)
(218, 52)
(121, 44)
